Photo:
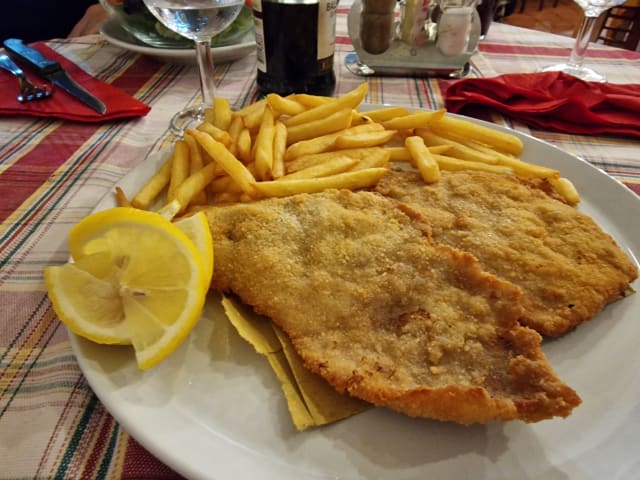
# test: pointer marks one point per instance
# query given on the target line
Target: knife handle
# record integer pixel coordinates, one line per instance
(31, 56)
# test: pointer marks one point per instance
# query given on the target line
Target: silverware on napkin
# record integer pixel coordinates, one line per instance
(53, 72)
(28, 91)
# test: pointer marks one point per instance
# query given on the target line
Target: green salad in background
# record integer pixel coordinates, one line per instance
(139, 21)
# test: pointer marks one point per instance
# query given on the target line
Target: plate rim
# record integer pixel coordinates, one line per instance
(106, 30)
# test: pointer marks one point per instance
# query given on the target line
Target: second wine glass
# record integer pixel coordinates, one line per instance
(200, 21)
(575, 65)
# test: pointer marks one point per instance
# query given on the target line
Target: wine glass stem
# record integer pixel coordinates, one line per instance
(582, 41)
(207, 72)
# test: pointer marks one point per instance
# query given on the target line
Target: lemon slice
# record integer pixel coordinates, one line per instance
(196, 227)
(136, 278)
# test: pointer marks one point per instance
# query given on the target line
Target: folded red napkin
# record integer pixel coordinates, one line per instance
(63, 105)
(553, 101)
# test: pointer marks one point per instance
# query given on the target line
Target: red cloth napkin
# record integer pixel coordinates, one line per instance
(62, 104)
(553, 101)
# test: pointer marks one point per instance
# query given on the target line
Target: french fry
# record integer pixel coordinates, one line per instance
(346, 180)
(221, 113)
(413, 120)
(333, 123)
(363, 140)
(347, 101)
(170, 209)
(330, 167)
(243, 146)
(264, 146)
(522, 169)
(279, 147)
(179, 167)
(501, 141)
(224, 184)
(121, 198)
(384, 114)
(306, 161)
(379, 158)
(230, 164)
(324, 142)
(423, 159)
(566, 189)
(251, 108)
(216, 133)
(150, 190)
(195, 164)
(467, 149)
(358, 118)
(401, 154)
(195, 184)
(235, 127)
(528, 170)
(309, 101)
(253, 120)
(209, 115)
(454, 164)
(283, 105)
(457, 150)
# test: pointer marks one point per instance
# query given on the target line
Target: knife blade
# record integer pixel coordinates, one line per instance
(53, 72)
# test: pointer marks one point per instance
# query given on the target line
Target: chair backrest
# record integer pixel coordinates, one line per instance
(620, 27)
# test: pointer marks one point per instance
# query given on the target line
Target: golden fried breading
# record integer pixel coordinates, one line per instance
(384, 313)
(567, 267)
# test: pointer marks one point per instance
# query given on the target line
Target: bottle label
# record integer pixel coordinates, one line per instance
(326, 28)
(259, 33)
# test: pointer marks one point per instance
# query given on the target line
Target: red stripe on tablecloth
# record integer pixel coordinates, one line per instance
(97, 453)
(634, 187)
(26, 175)
(137, 74)
(139, 463)
(500, 48)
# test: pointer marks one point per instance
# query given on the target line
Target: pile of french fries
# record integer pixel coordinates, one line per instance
(301, 143)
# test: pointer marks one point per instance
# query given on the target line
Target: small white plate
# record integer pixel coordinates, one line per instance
(215, 410)
(116, 35)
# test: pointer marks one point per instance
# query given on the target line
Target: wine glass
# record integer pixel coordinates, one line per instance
(197, 20)
(574, 66)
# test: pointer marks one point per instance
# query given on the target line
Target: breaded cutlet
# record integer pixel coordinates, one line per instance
(381, 311)
(567, 267)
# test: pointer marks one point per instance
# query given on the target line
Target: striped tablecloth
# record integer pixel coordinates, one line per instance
(53, 173)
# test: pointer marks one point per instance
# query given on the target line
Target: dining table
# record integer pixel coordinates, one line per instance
(54, 172)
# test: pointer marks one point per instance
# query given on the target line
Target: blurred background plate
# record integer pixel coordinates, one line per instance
(134, 18)
(113, 32)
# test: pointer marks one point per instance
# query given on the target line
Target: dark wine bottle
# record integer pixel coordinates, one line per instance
(295, 46)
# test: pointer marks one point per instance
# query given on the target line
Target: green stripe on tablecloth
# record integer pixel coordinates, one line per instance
(108, 454)
(30, 368)
(75, 440)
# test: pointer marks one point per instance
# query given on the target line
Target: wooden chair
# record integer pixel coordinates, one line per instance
(619, 27)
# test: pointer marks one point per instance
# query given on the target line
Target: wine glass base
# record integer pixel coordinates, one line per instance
(187, 118)
(580, 71)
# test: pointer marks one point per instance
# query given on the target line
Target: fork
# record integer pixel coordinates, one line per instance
(28, 91)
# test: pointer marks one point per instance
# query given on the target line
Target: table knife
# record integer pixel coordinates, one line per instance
(53, 72)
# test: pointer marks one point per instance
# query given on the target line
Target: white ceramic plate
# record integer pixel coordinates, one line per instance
(116, 35)
(215, 410)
